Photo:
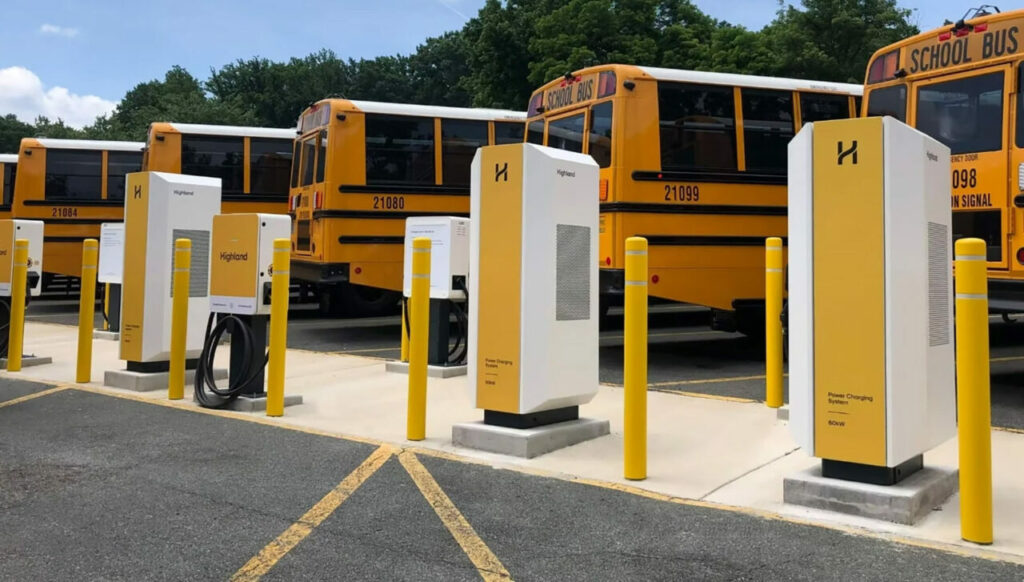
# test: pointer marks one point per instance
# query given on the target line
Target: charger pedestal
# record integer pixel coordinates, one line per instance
(253, 397)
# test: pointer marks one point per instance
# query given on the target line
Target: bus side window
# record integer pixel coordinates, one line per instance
(459, 140)
(696, 126)
(1020, 108)
(296, 160)
(600, 134)
(767, 129)
(118, 165)
(535, 133)
(509, 132)
(73, 175)
(269, 164)
(308, 159)
(10, 174)
(321, 157)
(823, 107)
(399, 149)
(216, 157)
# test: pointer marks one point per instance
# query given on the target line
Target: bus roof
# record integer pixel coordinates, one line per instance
(752, 81)
(229, 130)
(8, 158)
(430, 110)
(88, 144)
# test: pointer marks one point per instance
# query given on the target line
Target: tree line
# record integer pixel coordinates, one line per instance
(500, 56)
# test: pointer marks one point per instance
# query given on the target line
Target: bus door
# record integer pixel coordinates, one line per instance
(970, 113)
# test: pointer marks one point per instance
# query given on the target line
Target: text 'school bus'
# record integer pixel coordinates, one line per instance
(8, 172)
(693, 161)
(72, 186)
(253, 163)
(962, 85)
(359, 170)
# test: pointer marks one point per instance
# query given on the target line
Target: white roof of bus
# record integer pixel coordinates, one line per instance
(9, 158)
(778, 83)
(437, 111)
(233, 130)
(88, 144)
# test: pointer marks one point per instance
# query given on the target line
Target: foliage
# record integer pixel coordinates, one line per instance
(500, 56)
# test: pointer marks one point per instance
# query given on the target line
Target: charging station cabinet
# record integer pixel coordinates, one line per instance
(32, 231)
(243, 256)
(160, 208)
(870, 297)
(449, 272)
(533, 333)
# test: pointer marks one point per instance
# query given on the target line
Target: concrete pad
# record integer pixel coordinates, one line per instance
(106, 335)
(143, 382)
(782, 413)
(905, 502)
(29, 361)
(527, 443)
(432, 371)
(244, 404)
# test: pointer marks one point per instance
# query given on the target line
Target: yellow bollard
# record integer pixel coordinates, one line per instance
(974, 413)
(179, 318)
(86, 310)
(405, 331)
(419, 324)
(278, 326)
(773, 289)
(635, 360)
(17, 325)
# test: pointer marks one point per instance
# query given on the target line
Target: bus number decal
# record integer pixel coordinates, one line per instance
(965, 179)
(63, 212)
(389, 203)
(682, 193)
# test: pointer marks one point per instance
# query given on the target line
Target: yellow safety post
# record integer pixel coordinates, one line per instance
(86, 310)
(278, 326)
(974, 414)
(405, 332)
(179, 318)
(635, 360)
(419, 324)
(773, 289)
(17, 325)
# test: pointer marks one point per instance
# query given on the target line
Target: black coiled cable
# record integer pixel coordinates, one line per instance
(458, 351)
(240, 332)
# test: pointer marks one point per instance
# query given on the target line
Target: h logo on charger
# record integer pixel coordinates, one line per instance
(843, 154)
(501, 172)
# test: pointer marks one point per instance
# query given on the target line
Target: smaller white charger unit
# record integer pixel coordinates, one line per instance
(449, 254)
(10, 231)
(243, 253)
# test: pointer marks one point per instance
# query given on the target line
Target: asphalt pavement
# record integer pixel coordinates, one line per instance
(94, 486)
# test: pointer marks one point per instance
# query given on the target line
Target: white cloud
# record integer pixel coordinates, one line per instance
(23, 94)
(53, 29)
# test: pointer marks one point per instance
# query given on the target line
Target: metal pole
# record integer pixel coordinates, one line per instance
(635, 360)
(179, 318)
(773, 283)
(974, 413)
(86, 310)
(278, 326)
(419, 338)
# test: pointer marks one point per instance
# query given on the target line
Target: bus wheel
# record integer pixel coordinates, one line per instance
(331, 300)
(362, 301)
(750, 322)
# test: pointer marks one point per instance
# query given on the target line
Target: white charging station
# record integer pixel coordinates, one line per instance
(160, 208)
(243, 255)
(533, 333)
(32, 231)
(870, 297)
(449, 254)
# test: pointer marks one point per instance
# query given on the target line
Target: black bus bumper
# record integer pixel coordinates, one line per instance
(319, 272)
(1005, 296)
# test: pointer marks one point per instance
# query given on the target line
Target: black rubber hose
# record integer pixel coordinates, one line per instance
(5, 334)
(207, 393)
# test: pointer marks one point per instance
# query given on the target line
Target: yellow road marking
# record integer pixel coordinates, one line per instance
(487, 564)
(262, 562)
(32, 396)
(1007, 359)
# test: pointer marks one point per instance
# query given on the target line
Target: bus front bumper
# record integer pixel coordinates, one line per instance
(1005, 296)
(315, 272)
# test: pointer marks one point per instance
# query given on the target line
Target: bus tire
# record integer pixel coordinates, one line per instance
(331, 300)
(362, 301)
(750, 322)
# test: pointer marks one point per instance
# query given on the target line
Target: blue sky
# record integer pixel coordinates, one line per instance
(75, 59)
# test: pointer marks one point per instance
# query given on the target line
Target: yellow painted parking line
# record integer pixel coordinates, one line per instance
(487, 564)
(674, 333)
(261, 563)
(366, 350)
(32, 396)
(1006, 359)
(706, 381)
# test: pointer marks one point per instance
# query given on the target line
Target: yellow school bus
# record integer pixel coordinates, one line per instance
(8, 173)
(72, 186)
(961, 84)
(693, 161)
(253, 163)
(359, 170)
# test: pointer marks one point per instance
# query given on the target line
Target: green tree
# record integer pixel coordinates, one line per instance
(438, 71)
(12, 130)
